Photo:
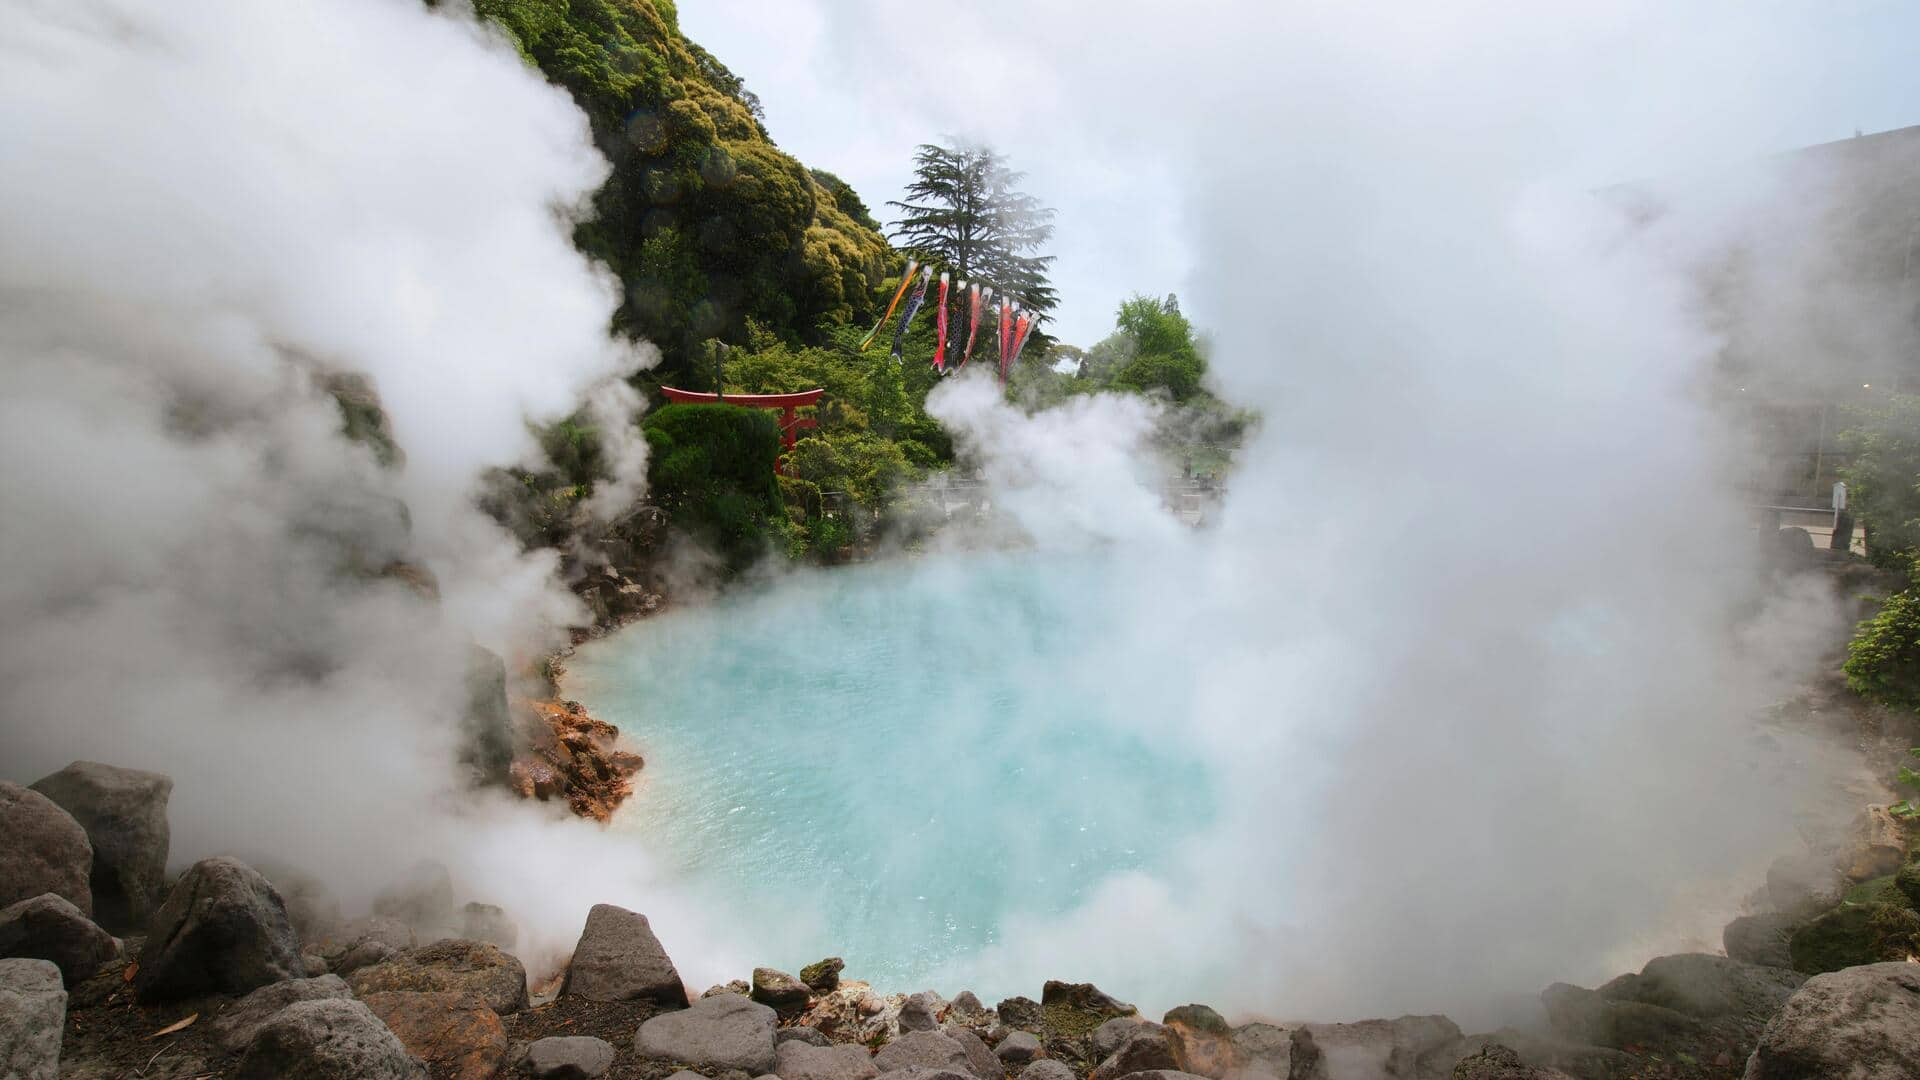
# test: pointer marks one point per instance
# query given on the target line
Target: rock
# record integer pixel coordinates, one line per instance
(1148, 1048)
(1047, 1069)
(42, 850)
(925, 1050)
(1800, 883)
(1163, 1074)
(1496, 1062)
(802, 1033)
(1201, 1039)
(221, 930)
(1018, 1049)
(423, 900)
(734, 986)
(1908, 882)
(124, 812)
(1706, 986)
(981, 1061)
(780, 992)
(1876, 846)
(450, 966)
(1021, 1012)
(485, 922)
(797, 1060)
(725, 1031)
(1760, 939)
(455, 1034)
(917, 1013)
(1854, 934)
(918, 1072)
(487, 727)
(572, 1057)
(619, 959)
(1585, 1016)
(327, 1039)
(48, 927)
(366, 954)
(33, 1015)
(311, 907)
(1862, 1022)
(1305, 1061)
(823, 975)
(1109, 1036)
(1075, 1009)
(315, 965)
(968, 1003)
(1408, 1046)
(239, 1022)
(392, 934)
(1265, 1047)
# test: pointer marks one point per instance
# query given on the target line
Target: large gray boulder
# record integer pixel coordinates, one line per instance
(1148, 1049)
(1497, 1062)
(1109, 1036)
(1761, 939)
(33, 1014)
(1202, 1040)
(1017, 1049)
(797, 1060)
(569, 1057)
(1047, 1069)
(1706, 986)
(327, 1039)
(619, 959)
(1860, 1023)
(449, 966)
(239, 1022)
(925, 1050)
(981, 1061)
(1266, 1048)
(780, 992)
(124, 812)
(1586, 1016)
(222, 930)
(1408, 1046)
(725, 1031)
(47, 927)
(42, 850)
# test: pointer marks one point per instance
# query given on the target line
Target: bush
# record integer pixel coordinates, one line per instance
(711, 469)
(1883, 659)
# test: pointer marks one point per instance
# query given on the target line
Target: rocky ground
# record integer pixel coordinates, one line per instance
(224, 973)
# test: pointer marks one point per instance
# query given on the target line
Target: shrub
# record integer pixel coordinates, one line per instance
(1883, 659)
(711, 469)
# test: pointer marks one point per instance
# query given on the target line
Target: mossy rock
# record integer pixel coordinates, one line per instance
(1855, 934)
(1880, 890)
(1907, 882)
(1074, 1010)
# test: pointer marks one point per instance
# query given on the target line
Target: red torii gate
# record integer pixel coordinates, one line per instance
(790, 421)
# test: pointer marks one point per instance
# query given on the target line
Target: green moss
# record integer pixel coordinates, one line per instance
(1855, 934)
(1880, 890)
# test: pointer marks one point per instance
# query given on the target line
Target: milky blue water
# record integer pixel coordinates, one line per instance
(897, 757)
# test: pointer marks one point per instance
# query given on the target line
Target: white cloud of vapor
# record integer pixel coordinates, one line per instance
(1476, 647)
(205, 206)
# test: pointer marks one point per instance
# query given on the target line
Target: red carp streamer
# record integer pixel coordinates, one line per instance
(905, 280)
(974, 299)
(1021, 329)
(940, 322)
(1006, 326)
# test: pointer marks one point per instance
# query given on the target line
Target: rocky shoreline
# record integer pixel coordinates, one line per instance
(225, 973)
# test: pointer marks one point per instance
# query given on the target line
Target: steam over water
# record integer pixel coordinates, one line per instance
(907, 753)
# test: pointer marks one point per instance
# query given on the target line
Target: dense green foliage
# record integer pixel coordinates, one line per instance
(705, 221)
(1883, 481)
(964, 213)
(710, 467)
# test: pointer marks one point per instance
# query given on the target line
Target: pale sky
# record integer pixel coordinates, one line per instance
(1080, 96)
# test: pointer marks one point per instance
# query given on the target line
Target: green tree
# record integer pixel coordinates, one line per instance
(964, 211)
(1883, 478)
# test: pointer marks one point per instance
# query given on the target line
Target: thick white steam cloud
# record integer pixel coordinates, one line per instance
(207, 208)
(1479, 643)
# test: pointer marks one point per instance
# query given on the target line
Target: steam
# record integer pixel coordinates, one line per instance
(211, 211)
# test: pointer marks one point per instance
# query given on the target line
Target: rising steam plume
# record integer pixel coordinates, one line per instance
(211, 211)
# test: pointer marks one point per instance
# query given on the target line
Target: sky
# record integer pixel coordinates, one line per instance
(852, 86)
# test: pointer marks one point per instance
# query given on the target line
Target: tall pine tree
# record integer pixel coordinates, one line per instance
(965, 213)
